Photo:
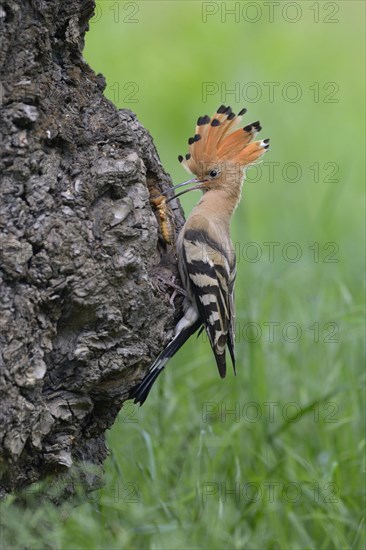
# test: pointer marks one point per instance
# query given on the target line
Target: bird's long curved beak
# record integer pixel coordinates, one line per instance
(200, 185)
(193, 180)
(196, 184)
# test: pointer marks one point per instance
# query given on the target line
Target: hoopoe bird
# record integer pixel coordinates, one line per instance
(218, 154)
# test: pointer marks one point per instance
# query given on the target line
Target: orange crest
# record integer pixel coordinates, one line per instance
(218, 139)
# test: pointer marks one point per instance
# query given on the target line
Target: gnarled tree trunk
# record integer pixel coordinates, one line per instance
(83, 311)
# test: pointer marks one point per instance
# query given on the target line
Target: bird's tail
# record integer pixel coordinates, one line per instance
(140, 392)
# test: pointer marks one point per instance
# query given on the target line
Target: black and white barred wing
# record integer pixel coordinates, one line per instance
(231, 340)
(211, 275)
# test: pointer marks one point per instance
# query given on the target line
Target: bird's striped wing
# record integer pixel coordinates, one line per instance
(211, 274)
(231, 340)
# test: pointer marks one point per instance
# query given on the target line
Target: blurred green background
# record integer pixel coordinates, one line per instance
(286, 436)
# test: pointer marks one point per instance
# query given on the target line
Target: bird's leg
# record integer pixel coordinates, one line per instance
(177, 289)
(171, 283)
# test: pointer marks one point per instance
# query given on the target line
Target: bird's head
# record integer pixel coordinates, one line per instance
(219, 151)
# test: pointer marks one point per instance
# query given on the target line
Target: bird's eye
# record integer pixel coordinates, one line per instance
(213, 173)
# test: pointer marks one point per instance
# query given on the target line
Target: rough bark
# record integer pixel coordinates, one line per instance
(84, 308)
